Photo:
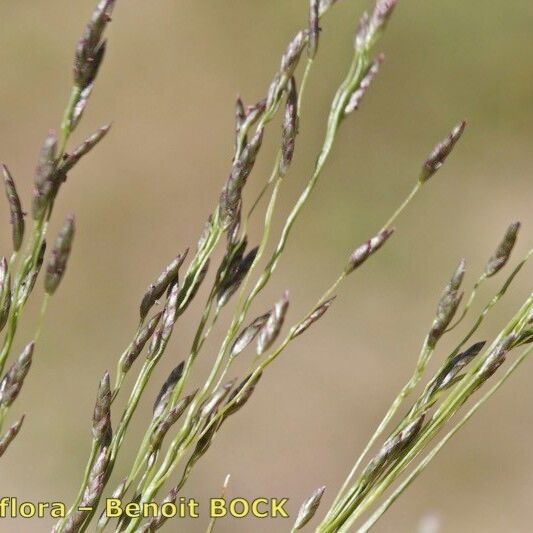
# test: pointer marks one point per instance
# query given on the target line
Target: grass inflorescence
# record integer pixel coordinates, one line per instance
(186, 420)
(19, 274)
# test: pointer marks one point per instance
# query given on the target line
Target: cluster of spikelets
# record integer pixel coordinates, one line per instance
(185, 422)
(18, 275)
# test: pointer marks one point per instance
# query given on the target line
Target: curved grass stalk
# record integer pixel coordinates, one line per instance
(419, 406)
(360, 502)
(421, 467)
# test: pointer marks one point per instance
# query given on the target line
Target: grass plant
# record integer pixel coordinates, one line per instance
(186, 420)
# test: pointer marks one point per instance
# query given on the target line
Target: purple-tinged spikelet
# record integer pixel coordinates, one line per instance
(15, 208)
(504, 250)
(309, 508)
(363, 252)
(59, 256)
(440, 153)
(270, 331)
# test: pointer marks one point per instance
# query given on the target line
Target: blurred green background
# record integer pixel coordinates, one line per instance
(168, 84)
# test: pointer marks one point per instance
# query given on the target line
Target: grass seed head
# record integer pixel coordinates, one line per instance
(206, 233)
(164, 330)
(118, 494)
(46, 163)
(168, 421)
(440, 153)
(158, 288)
(240, 113)
(139, 342)
(314, 28)
(393, 447)
(496, 358)
(10, 435)
(231, 261)
(372, 26)
(447, 306)
(359, 93)
(252, 115)
(102, 412)
(91, 48)
(242, 393)
(290, 58)
(31, 278)
(170, 313)
(5, 292)
(325, 5)
(213, 402)
(446, 310)
(230, 197)
(157, 521)
(84, 148)
(457, 363)
(457, 278)
(80, 106)
(44, 176)
(363, 252)
(199, 280)
(504, 250)
(93, 490)
(204, 442)
(248, 335)
(290, 128)
(13, 381)
(309, 508)
(15, 208)
(57, 263)
(382, 12)
(240, 117)
(270, 331)
(237, 271)
(312, 317)
(167, 388)
(41, 199)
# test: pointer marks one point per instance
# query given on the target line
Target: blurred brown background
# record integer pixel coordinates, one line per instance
(168, 84)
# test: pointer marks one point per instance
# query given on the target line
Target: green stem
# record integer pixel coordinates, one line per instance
(404, 204)
(211, 526)
(44, 307)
